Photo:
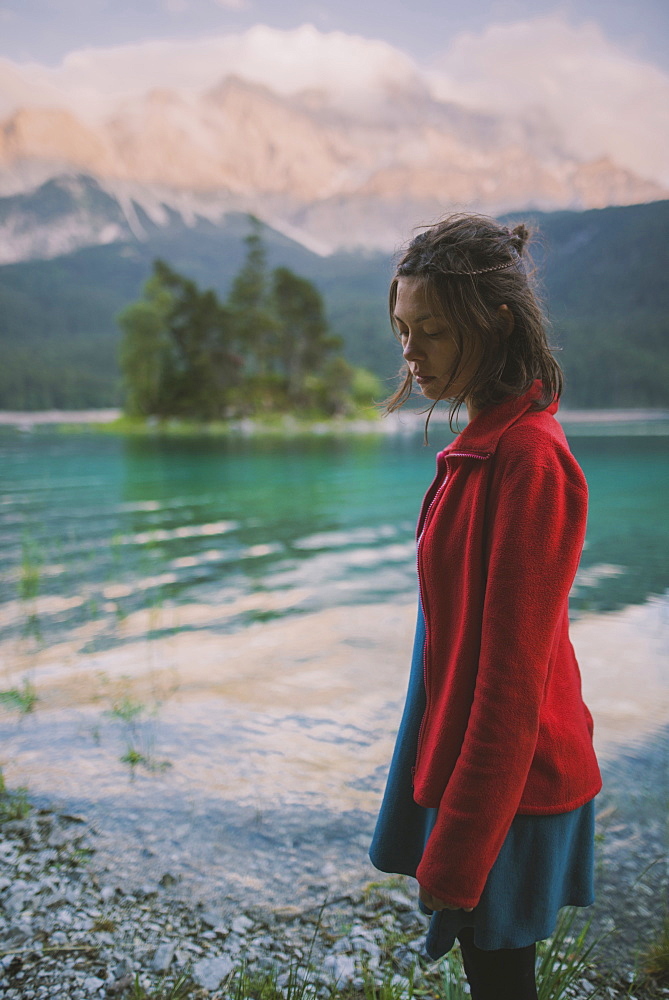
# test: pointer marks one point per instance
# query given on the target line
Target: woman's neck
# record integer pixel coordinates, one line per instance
(472, 410)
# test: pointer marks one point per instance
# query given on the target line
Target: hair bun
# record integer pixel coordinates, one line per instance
(522, 235)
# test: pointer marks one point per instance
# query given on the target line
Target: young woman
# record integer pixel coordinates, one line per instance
(489, 800)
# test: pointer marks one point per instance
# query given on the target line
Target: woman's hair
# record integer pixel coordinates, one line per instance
(470, 265)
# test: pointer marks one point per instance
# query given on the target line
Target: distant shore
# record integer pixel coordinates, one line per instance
(408, 421)
(31, 418)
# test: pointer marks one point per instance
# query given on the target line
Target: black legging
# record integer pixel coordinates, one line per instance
(504, 974)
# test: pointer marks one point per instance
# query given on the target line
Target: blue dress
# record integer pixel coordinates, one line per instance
(545, 862)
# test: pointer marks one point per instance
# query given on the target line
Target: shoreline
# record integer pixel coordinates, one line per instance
(269, 849)
(72, 928)
(111, 421)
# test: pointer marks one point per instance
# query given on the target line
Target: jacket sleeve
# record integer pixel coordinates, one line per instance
(535, 532)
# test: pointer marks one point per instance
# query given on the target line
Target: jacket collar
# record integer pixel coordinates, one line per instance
(481, 434)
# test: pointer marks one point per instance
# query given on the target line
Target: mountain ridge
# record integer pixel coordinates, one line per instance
(297, 161)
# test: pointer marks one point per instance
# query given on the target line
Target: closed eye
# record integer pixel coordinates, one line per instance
(432, 335)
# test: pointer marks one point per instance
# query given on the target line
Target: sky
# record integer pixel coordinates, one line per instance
(44, 31)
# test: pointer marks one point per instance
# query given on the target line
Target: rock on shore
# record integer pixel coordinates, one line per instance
(69, 932)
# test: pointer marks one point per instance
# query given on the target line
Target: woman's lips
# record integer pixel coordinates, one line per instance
(424, 379)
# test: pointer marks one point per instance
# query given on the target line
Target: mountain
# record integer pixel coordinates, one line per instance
(602, 271)
(336, 178)
(59, 216)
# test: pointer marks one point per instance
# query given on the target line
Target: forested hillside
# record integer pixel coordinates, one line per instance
(605, 284)
(603, 273)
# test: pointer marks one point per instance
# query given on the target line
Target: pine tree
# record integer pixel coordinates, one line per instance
(304, 342)
(176, 350)
(250, 307)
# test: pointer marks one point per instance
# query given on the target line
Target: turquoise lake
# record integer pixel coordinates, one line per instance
(123, 523)
(239, 614)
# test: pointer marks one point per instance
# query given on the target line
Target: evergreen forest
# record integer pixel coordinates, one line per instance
(602, 273)
(266, 349)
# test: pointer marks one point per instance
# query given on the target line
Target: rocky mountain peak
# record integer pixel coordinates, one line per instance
(344, 177)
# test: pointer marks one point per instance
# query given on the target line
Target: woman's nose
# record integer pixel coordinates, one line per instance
(411, 349)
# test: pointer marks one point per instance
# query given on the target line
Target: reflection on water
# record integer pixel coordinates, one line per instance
(239, 617)
(93, 529)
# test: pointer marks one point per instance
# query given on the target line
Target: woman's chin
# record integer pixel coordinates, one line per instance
(431, 390)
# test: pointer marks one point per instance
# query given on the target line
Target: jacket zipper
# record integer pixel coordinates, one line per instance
(440, 490)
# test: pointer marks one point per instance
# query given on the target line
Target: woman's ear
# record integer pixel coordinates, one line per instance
(507, 321)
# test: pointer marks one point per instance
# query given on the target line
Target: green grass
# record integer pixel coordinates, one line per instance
(29, 585)
(452, 977)
(564, 958)
(23, 698)
(129, 712)
(126, 710)
(295, 983)
(29, 578)
(655, 960)
(181, 988)
(13, 805)
(104, 924)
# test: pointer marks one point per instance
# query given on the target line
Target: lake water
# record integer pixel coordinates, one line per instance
(255, 529)
(236, 617)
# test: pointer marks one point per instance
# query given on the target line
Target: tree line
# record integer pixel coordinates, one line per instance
(266, 349)
(603, 280)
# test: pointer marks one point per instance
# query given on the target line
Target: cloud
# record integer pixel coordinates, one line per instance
(19, 87)
(356, 72)
(604, 101)
(234, 4)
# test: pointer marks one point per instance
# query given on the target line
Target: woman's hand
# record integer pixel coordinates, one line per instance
(433, 903)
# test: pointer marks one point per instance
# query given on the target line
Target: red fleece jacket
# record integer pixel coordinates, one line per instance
(505, 728)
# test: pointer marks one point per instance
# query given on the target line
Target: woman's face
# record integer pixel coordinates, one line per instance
(429, 349)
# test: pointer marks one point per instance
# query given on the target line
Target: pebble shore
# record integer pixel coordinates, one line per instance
(70, 932)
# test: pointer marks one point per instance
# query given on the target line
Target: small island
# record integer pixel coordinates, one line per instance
(265, 352)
